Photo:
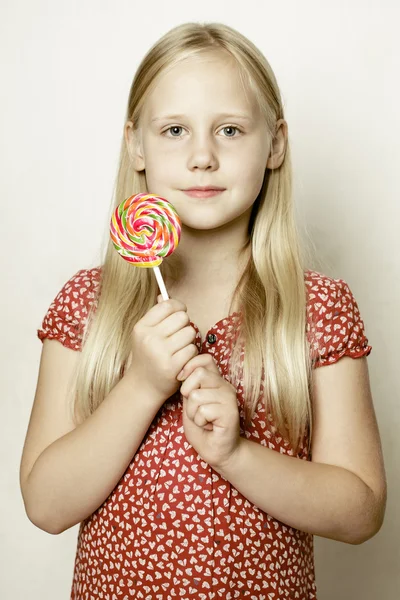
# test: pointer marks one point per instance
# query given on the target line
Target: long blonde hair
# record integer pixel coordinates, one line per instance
(271, 292)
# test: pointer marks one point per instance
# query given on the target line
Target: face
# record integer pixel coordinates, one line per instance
(199, 128)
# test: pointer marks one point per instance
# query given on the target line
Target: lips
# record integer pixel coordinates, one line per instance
(208, 188)
(203, 192)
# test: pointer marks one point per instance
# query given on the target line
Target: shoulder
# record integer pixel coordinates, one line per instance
(82, 287)
(335, 327)
(322, 290)
(68, 313)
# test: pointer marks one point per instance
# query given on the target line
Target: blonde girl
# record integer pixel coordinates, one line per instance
(197, 441)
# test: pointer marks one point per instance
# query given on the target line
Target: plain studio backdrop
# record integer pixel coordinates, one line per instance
(66, 70)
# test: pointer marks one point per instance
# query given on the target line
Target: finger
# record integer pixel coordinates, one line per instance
(200, 378)
(202, 360)
(207, 426)
(196, 399)
(180, 339)
(181, 357)
(174, 323)
(209, 410)
(208, 414)
(161, 311)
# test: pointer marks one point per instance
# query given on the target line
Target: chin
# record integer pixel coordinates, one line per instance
(203, 224)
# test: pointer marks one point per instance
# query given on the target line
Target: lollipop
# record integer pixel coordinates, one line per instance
(144, 230)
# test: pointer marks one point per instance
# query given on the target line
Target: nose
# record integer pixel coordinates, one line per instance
(202, 154)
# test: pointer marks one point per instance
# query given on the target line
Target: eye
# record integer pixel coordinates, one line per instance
(173, 129)
(176, 131)
(230, 128)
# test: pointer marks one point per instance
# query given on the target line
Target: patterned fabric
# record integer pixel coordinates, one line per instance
(173, 527)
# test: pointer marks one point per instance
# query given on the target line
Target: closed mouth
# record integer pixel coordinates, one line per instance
(205, 189)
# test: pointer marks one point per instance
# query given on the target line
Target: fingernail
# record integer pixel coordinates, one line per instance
(180, 375)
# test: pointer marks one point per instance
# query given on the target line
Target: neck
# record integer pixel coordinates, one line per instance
(209, 258)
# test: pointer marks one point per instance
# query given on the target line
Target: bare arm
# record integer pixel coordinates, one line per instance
(341, 494)
(67, 472)
(69, 479)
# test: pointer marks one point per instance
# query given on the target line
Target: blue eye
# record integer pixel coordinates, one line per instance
(174, 127)
(230, 127)
(176, 131)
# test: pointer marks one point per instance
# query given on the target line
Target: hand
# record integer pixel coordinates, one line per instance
(210, 412)
(162, 343)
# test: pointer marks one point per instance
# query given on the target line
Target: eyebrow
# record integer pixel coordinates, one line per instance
(242, 116)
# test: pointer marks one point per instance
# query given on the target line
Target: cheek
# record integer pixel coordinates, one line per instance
(252, 183)
(160, 164)
(249, 161)
(253, 176)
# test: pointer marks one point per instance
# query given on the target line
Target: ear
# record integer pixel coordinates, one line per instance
(133, 138)
(279, 143)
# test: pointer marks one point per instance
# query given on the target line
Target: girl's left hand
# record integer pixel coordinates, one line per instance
(210, 412)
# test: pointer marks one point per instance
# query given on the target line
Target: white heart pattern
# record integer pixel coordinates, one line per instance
(173, 527)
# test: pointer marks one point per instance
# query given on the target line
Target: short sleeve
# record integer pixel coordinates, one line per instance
(67, 315)
(335, 327)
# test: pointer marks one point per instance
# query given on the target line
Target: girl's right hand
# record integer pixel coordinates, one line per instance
(162, 344)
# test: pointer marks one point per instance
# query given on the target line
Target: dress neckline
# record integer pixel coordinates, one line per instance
(209, 340)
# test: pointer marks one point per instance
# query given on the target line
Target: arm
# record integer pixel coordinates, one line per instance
(341, 494)
(66, 472)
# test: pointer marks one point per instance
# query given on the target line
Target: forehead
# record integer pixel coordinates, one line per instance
(207, 82)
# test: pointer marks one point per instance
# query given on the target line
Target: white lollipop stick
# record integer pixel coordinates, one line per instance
(161, 283)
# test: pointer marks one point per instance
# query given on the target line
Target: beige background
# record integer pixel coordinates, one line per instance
(66, 69)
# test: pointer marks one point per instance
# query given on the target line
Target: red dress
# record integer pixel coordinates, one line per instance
(173, 527)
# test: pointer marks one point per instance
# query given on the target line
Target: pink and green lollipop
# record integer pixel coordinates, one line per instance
(144, 230)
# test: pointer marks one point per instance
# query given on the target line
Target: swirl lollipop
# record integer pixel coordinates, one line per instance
(144, 230)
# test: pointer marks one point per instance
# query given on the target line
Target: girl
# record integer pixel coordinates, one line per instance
(205, 448)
